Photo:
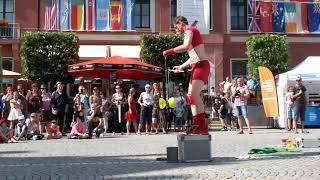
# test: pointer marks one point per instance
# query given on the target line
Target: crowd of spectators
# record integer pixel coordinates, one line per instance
(34, 113)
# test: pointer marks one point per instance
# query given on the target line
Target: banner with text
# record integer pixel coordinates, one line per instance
(269, 93)
(196, 10)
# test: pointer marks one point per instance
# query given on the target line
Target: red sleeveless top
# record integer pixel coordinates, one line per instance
(196, 39)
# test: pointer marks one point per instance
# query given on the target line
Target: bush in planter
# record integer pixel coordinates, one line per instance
(45, 56)
(152, 47)
(268, 50)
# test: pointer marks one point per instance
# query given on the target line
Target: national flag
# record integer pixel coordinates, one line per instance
(314, 16)
(64, 15)
(254, 15)
(102, 15)
(278, 16)
(295, 16)
(128, 15)
(90, 15)
(51, 11)
(77, 15)
(116, 10)
(266, 16)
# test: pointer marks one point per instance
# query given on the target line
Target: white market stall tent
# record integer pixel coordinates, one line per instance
(310, 73)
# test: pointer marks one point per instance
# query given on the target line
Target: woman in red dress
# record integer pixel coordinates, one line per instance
(132, 114)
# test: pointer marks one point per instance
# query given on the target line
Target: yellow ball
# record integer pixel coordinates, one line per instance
(172, 102)
(162, 103)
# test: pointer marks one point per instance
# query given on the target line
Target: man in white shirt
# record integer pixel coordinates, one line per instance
(226, 85)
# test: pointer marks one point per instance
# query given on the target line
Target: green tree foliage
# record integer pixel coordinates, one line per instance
(46, 55)
(152, 47)
(267, 50)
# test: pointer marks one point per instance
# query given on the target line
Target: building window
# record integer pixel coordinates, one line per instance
(7, 64)
(7, 10)
(238, 14)
(142, 13)
(174, 12)
(239, 68)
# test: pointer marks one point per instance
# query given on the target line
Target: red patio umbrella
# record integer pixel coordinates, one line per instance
(121, 68)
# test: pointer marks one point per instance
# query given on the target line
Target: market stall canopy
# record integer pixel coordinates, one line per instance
(9, 74)
(115, 67)
(307, 69)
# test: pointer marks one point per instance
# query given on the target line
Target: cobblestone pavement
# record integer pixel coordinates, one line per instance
(134, 157)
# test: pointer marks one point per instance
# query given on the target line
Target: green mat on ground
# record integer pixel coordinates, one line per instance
(269, 150)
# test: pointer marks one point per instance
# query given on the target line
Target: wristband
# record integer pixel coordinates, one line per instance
(169, 51)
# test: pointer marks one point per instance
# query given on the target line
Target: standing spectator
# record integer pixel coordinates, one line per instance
(84, 99)
(95, 98)
(299, 104)
(6, 134)
(34, 99)
(178, 111)
(95, 121)
(105, 109)
(78, 109)
(180, 99)
(6, 102)
(252, 86)
(132, 114)
(59, 101)
(53, 131)
(1, 106)
(45, 107)
(229, 117)
(290, 110)
(156, 108)
(146, 102)
(223, 111)
(212, 95)
(241, 94)
(23, 99)
(119, 100)
(225, 86)
(15, 111)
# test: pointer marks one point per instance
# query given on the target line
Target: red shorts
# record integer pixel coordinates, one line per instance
(200, 71)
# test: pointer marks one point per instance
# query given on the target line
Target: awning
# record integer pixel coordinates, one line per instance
(9, 74)
(115, 68)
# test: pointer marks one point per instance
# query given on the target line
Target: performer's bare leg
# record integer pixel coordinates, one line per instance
(197, 107)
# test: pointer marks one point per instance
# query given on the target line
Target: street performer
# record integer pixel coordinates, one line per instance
(199, 63)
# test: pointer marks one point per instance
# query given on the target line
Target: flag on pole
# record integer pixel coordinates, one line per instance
(116, 10)
(102, 15)
(51, 11)
(64, 15)
(77, 15)
(295, 16)
(128, 17)
(278, 16)
(254, 16)
(314, 16)
(90, 15)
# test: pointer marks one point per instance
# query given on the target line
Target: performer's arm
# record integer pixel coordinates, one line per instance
(182, 48)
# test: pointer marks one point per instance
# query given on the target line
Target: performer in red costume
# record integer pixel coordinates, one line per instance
(199, 63)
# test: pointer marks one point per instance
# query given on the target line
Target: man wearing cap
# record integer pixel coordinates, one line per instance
(299, 104)
(59, 101)
(146, 101)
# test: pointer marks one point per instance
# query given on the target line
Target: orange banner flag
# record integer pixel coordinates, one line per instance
(269, 92)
